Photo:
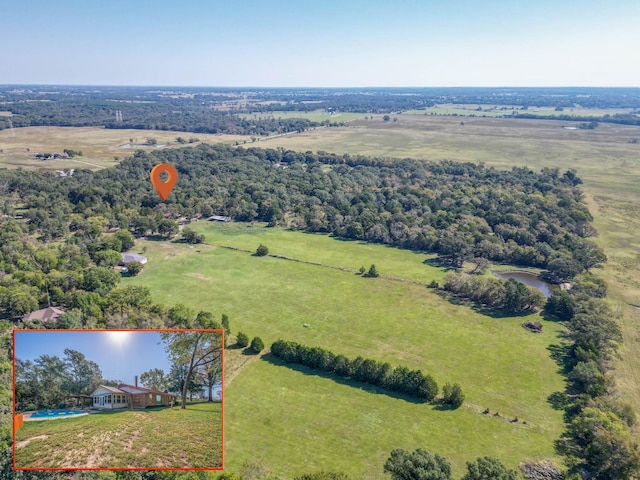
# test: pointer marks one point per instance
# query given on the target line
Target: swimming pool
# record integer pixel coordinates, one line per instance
(42, 414)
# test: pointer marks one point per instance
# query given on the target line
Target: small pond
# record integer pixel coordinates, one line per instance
(528, 279)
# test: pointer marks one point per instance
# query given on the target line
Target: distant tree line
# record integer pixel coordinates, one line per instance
(50, 381)
(399, 379)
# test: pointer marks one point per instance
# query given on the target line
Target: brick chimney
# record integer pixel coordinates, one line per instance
(136, 380)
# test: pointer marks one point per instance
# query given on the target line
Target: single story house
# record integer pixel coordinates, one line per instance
(219, 218)
(133, 257)
(46, 314)
(130, 396)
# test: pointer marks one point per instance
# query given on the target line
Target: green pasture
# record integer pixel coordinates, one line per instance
(607, 159)
(296, 421)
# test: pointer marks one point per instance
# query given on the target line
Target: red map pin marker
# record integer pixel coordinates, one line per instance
(164, 188)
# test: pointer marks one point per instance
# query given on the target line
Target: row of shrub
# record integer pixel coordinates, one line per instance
(399, 379)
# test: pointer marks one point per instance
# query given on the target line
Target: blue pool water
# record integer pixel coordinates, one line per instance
(55, 413)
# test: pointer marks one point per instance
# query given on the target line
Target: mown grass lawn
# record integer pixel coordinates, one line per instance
(295, 421)
(149, 438)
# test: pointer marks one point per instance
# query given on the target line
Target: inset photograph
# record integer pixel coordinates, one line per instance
(118, 399)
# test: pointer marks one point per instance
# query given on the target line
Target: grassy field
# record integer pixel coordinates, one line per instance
(125, 439)
(501, 110)
(605, 158)
(314, 116)
(98, 145)
(294, 421)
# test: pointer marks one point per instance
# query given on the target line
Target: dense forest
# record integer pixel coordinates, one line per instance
(463, 212)
(60, 238)
(224, 110)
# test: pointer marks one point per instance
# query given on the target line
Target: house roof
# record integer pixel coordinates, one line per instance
(49, 313)
(144, 390)
(109, 389)
(133, 257)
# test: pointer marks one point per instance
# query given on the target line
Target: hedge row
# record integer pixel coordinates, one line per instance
(399, 379)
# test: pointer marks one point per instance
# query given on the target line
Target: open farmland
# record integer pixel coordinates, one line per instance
(320, 421)
(98, 145)
(607, 159)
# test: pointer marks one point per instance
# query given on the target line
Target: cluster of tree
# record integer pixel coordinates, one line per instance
(598, 442)
(462, 211)
(50, 381)
(422, 465)
(399, 379)
(509, 295)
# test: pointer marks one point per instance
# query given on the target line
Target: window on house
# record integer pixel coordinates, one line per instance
(158, 399)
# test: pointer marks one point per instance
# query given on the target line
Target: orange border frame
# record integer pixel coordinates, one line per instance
(13, 391)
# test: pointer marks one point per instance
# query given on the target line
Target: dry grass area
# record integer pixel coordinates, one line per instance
(99, 145)
(150, 438)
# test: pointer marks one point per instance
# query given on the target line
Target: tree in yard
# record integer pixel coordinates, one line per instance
(242, 339)
(386, 118)
(196, 351)
(181, 316)
(154, 379)
(82, 376)
(167, 228)
(107, 258)
(176, 380)
(134, 268)
(211, 377)
(417, 465)
(257, 345)
(452, 395)
(71, 319)
(362, 270)
(51, 370)
(262, 251)
(488, 468)
(127, 240)
(373, 272)
(191, 236)
(27, 382)
(225, 324)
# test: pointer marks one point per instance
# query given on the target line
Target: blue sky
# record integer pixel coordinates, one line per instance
(322, 43)
(121, 359)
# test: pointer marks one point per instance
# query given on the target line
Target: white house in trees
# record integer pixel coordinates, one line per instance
(133, 257)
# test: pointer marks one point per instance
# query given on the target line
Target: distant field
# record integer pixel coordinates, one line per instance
(605, 158)
(98, 145)
(296, 422)
(502, 110)
(314, 116)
